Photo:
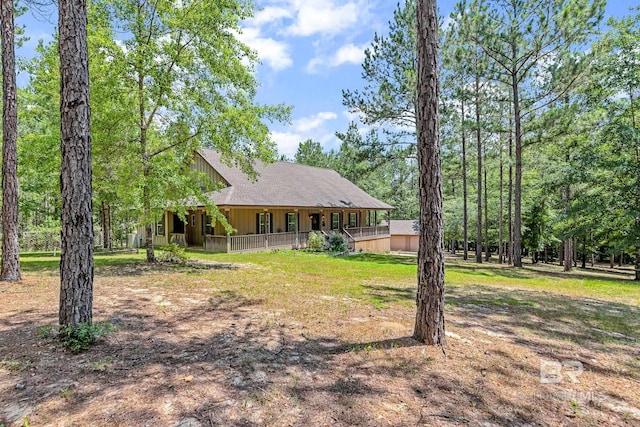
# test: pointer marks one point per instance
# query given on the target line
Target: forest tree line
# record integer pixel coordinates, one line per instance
(539, 129)
(540, 142)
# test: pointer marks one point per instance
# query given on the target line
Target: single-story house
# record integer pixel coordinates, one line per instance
(405, 235)
(277, 210)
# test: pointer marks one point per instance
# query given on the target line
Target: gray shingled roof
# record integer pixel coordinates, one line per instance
(289, 185)
(404, 227)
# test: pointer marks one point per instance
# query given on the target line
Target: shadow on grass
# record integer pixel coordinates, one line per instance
(115, 265)
(528, 272)
(587, 322)
(382, 259)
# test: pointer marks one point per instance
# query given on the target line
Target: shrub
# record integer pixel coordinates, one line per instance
(337, 243)
(173, 253)
(81, 337)
(316, 241)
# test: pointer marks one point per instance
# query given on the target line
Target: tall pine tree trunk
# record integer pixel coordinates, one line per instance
(76, 265)
(429, 325)
(517, 220)
(637, 263)
(568, 254)
(612, 260)
(510, 196)
(568, 251)
(10, 249)
(106, 226)
(479, 181)
(465, 215)
(500, 226)
(487, 250)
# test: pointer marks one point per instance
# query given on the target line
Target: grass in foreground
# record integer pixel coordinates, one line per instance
(290, 338)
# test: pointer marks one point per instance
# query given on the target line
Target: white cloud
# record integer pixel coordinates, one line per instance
(326, 17)
(272, 52)
(287, 142)
(305, 18)
(270, 15)
(311, 127)
(347, 54)
(310, 123)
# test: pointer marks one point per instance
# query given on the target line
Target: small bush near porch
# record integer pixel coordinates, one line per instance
(295, 338)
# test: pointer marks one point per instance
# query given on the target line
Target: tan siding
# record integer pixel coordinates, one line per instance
(382, 245)
(243, 219)
(201, 165)
(404, 243)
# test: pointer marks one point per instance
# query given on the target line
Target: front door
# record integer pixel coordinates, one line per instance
(315, 222)
(194, 229)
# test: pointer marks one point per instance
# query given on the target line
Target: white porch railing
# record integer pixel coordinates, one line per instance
(258, 242)
(178, 238)
(363, 232)
(254, 242)
(215, 243)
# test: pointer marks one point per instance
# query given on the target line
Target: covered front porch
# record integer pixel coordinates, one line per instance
(259, 229)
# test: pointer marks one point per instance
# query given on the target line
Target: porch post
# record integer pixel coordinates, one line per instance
(228, 217)
(295, 212)
(389, 222)
(375, 219)
(267, 228)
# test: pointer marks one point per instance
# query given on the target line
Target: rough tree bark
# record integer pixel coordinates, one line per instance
(76, 265)
(10, 249)
(501, 225)
(465, 214)
(637, 263)
(568, 251)
(517, 191)
(429, 325)
(510, 195)
(479, 198)
(487, 250)
(106, 226)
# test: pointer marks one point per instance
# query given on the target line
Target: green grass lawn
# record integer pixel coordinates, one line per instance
(355, 275)
(295, 279)
(313, 322)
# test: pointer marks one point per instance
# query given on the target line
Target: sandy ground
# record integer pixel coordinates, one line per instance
(188, 355)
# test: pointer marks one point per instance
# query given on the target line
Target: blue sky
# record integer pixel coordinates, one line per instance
(310, 51)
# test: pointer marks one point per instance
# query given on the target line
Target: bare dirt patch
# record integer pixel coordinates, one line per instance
(198, 347)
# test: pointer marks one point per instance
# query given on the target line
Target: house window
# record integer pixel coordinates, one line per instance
(178, 225)
(371, 218)
(335, 221)
(193, 220)
(352, 219)
(291, 222)
(207, 220)
(160, 227)
(264, 223)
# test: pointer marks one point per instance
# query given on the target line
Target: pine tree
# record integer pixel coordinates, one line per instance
(10, 248)
(429, 325)
(76, 265)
